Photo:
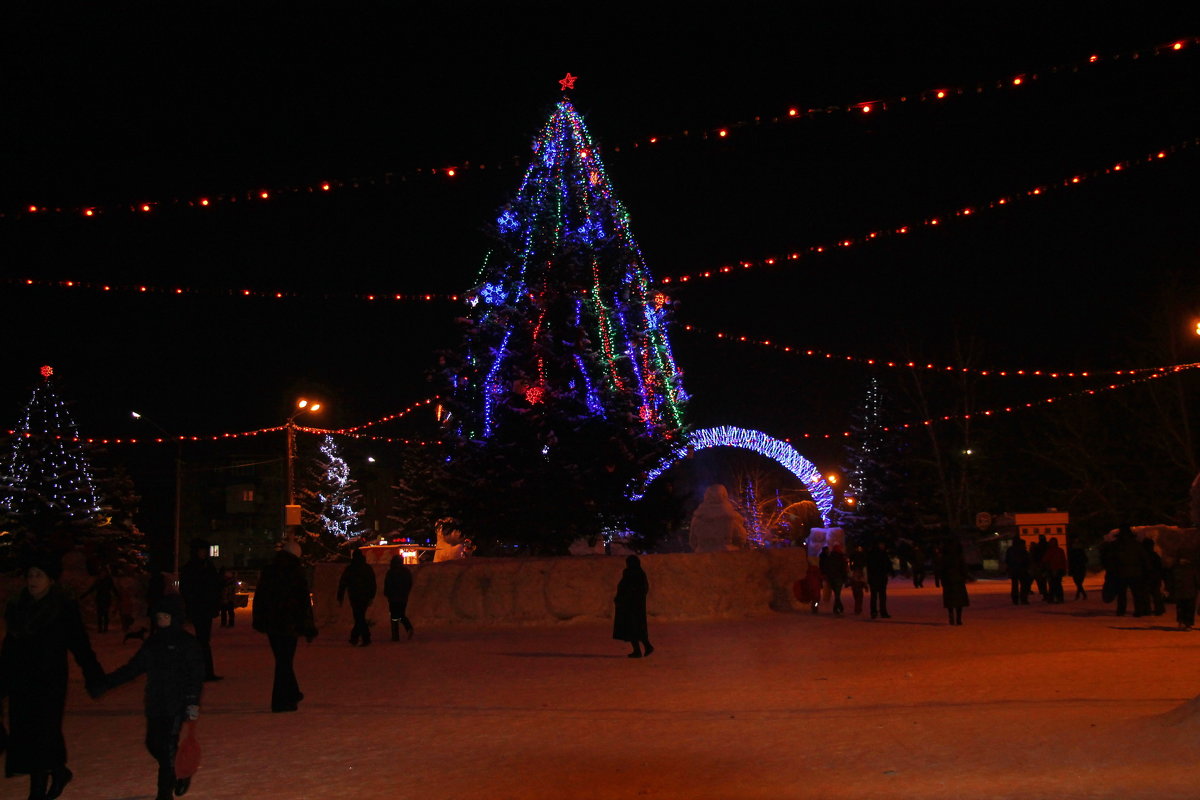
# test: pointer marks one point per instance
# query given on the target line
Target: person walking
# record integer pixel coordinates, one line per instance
(918, 566)
(102, 591)
(397, 584)
(229, 586)
(1054, 562)
(1154, 580)
(1037, 570)
(1185, 585)
(629, 615)
(283, 611)
(879, 571)
(173, 663)
(1128, 561)
(835, 570)
(1077, 567)
(858, 577)
(42, 625)
(358, 581)
(1017, 562)
(200, 585)
(954, 580)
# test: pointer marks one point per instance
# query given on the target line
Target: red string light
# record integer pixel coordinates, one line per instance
(937, 221)
(893, 364)
(791, 113)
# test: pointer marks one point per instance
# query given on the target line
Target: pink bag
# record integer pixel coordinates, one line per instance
(187, 760)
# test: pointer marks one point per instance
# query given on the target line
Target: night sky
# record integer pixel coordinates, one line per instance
(110, 109)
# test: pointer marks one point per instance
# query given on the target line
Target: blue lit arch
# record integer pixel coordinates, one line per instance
(758, 442)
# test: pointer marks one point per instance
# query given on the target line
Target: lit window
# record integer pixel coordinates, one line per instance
(247, 495)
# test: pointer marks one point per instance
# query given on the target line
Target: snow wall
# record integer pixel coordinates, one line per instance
(549, 591)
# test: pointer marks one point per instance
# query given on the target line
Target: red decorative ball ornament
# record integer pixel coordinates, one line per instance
(535, 395)
(47, 371)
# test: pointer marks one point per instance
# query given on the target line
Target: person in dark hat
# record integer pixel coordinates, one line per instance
(173, 663)
(42, 624)
(629, 618)
(200, 585)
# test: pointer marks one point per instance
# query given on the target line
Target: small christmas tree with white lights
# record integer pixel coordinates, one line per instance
(331, 506)
(47, 492)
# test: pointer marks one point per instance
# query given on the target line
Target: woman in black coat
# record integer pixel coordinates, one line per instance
(954, 581)
(397, 585)
(42, 625)
(283, 611)
(629, 619)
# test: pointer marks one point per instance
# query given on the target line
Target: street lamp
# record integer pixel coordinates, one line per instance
(178, 482)
(291, 517)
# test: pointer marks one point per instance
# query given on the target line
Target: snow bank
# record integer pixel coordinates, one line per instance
(546, 591)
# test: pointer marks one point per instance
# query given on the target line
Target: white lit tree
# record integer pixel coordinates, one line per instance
(330, 502)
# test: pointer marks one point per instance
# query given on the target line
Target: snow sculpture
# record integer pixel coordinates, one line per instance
(451, 544)
(716, 524)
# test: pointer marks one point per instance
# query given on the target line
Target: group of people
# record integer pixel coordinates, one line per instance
(1134, 570)
(1045, 564)
(869, 571)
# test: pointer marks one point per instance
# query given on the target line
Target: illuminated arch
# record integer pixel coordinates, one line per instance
(760, 443)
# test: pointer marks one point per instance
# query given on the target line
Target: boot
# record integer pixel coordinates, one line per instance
(37, 785)
(395, 630)
(59, 778)
(958, 616)
(637, 651)
(950, 614)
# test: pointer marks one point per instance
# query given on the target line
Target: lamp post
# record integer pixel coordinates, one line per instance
(178, 483)
(289, 525)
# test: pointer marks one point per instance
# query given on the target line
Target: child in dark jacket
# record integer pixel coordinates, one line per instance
(173, 664)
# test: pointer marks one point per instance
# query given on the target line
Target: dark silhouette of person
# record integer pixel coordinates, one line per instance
(879, 571)
(1037, 569)
(1077, 567)
(358, 581)
(1017, 562)
(1155, 604)
(42, 625)
(283, 611)
(173, 663)
(918, 566)
(1054, 563)
(397, 584)
(835, 569)
(629, 617)
(102, 590)
(200, 585)
(954, 580)
(858, 577)
(1185, 585)
(1129, 562)
(229, 586)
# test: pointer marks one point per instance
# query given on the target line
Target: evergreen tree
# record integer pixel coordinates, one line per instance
(875, 477)
(117, 542)
(47, 493)
(331, 506)
(565, 389)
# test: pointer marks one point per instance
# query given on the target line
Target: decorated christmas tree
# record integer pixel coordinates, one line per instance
(566, 388)
(47, 493)
(331, 506)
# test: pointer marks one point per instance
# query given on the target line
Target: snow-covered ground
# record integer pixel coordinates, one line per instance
(1027, 702)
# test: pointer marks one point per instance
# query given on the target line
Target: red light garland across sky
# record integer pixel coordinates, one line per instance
(938, 221)
(923, 366)
(261, 294)
(934, 95)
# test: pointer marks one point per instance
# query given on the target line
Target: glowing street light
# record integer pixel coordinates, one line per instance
(291, 512)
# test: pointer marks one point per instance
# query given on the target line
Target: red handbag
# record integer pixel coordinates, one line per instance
(187, 759)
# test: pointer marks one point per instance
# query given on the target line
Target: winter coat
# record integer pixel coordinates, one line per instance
(954, 578)
(629, 617)
(358, 581)
(835, 568)
(879, 567)
(1054, 559)
(397, 584)
(1185, 582)
(229, 588)
(173, 664)
(1017, 560)
(1129, 558)
(1077, 562)
(200, 585)
(282, 606)
(33, 675)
